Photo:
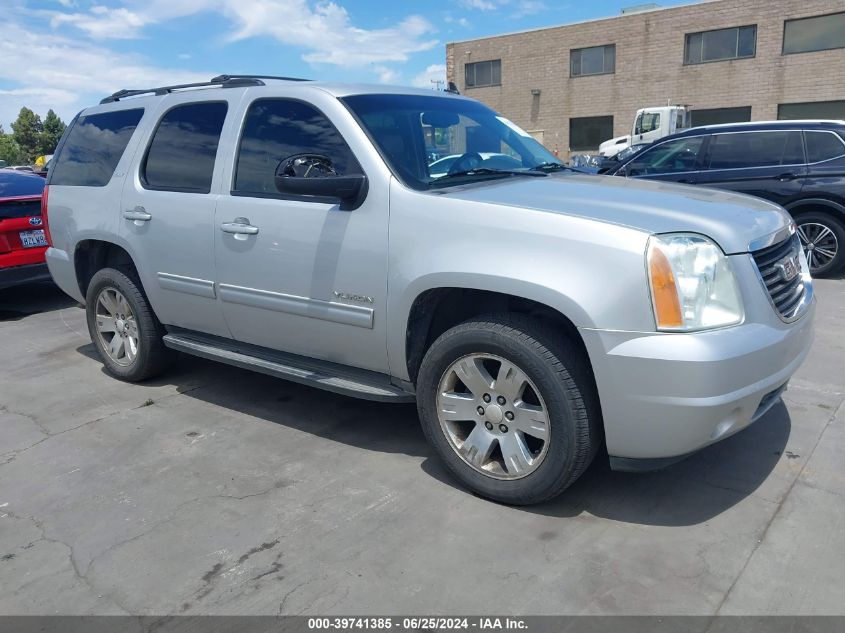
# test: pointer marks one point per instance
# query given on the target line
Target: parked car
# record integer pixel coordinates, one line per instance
(294, 228)
(800, 165)
(608, 163)
(22, 238)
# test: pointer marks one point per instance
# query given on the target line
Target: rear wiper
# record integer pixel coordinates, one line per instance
(488, 171)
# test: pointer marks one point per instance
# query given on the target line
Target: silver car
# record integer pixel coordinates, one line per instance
(295, 228)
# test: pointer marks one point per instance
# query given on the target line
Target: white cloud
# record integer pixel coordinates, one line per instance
(103, 22)
(58, 67)
(387, 75)
(65, 74)
(324, 29)
(481, 5)
(436, 72)
(459, 21)
(529, 7)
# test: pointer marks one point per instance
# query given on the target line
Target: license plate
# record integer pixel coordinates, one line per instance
(31, 239)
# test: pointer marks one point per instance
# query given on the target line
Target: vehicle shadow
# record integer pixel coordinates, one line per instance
(687, 493)
(18, 302)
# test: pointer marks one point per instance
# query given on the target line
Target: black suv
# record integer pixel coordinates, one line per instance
(800, 165)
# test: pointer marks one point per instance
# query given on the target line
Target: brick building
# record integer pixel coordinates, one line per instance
(576, 85)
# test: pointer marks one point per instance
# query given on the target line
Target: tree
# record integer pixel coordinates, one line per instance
(54, 127)
(9, 150)
(27, 134)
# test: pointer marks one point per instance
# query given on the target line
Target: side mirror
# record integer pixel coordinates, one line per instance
(314, 175)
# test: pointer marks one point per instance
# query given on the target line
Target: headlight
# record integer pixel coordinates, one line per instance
(692, 284)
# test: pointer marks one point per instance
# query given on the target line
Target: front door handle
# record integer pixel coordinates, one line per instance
(138, 214)
(239, 226)
(785, 177)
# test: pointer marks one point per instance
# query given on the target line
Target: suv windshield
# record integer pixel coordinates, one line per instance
(431, 142)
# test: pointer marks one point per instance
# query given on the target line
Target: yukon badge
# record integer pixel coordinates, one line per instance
(348, 296)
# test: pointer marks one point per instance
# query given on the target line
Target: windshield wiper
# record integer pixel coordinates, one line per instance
(543, 167)
(487, 171)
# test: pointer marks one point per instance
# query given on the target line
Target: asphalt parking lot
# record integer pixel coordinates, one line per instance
(214, 490)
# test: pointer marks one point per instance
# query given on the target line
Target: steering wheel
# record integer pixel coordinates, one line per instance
(466, 162)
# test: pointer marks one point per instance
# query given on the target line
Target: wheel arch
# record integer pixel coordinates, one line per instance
(434, 310)
(91, 255)
(825, 205)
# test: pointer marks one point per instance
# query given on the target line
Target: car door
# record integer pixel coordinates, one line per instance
(674, 160)
(647, 127)
(300, 274)
(768, 164)
(168, 212)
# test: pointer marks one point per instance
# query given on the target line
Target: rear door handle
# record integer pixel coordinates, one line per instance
(785, 177)
(138, 214)
(239, 226)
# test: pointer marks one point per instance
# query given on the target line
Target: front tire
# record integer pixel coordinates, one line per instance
(823, 240)
(509, 405)
(123, 327)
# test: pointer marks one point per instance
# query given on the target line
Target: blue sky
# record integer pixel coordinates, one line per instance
(67, 54)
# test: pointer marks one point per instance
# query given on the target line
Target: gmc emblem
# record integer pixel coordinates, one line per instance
(788, 268)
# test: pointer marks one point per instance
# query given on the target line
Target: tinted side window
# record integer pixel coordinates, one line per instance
(93, 148)
(184, 146)
(755, 149)
(676, 156)
(276, 129)
(823, 146)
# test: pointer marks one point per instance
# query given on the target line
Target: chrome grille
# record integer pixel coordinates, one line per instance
(773, 262)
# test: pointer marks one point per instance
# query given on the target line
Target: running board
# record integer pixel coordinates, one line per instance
(358, 383)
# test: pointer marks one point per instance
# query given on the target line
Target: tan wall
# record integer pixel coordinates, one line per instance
(650, 68)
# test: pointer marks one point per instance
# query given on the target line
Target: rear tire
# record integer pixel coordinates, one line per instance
(827, 235)
(524, 367)
(123, 327)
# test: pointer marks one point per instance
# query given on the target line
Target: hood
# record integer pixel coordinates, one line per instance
(732, 220)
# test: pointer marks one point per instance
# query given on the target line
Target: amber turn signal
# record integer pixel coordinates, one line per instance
(664, 292)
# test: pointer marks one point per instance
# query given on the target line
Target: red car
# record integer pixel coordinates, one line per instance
(22, 232)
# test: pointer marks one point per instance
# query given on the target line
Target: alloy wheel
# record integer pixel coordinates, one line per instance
(117, 327)
(493, 416)
(819, 243)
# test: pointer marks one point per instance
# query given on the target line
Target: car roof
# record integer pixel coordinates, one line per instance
(762, 126)
(15, 183)
(258, 84)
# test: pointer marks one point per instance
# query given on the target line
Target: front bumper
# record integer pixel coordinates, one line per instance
(17, 275)
(664, 396)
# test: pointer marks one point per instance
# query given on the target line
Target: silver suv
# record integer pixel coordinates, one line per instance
(294, 228)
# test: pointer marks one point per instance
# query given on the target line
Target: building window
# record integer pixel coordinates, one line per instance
(587, 133)
(481, 74)
(813, 110)
(715, 116)
(715, 46)
(596, 60)
(819, 33)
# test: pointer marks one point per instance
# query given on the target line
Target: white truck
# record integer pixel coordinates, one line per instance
(650, 124)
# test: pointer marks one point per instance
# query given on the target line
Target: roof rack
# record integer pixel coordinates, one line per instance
(231, 77)
(224, 81)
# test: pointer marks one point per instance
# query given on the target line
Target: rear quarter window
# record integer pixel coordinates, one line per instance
(93, 148)
(823, 146)
(738, 150)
